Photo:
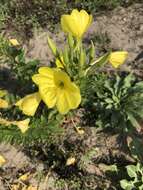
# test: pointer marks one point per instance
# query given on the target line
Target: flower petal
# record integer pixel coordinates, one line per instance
(48, 95)
(42, 79)
(45, 76)
(70, 161)
(118, 58)
(22, 125)
(46, 71)
(29, 103)
(85, 20)
(68, 99)
(76, 23)
(62, 103)
(14, 42)
(61, 76)
(70, 25)
(73, 96)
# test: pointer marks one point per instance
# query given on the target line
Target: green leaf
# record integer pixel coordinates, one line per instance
(139, 84)
(127, 82)
(109, 100)
(91, 52)
(70, 41)
(131, 169)
(101, 61)
(65, 56)
(52, 46)
(82, 58)
(109, 86)
(117, 84)
(133, 121)
(126, 184)
(141, 187)
(142, 178)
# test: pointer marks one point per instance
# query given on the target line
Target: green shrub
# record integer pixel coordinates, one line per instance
(118, 101)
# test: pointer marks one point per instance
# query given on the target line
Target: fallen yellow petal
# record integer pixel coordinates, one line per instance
(70, 161)
(15, 187)
(24, 177)
(80, 131)
(3, 103)
(2, 160)
(22, 125)
(14, 42)
(5, 122)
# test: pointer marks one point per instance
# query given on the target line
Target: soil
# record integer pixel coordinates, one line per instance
(95, 152)
(124, 29)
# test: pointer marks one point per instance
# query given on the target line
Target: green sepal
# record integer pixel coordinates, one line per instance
(52, 46)
(91, 52)
(101, 61)
(82, 57)
(71, 41)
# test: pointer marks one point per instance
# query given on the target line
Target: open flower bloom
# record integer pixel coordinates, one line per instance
(56, 89)
(118, 58)
(29, 103)
(22, 125)
(76, 23)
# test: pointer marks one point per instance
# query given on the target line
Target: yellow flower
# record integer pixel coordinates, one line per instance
(3, 103)
(118, 58)
(29, 103)
(22, 125)
(14, 42)
(56, 89)
(76, 23)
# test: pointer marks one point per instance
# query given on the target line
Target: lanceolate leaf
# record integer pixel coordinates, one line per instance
(127, 185)
(131, 169)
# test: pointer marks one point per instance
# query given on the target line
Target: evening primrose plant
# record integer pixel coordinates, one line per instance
(54, 92)
(60, 86)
